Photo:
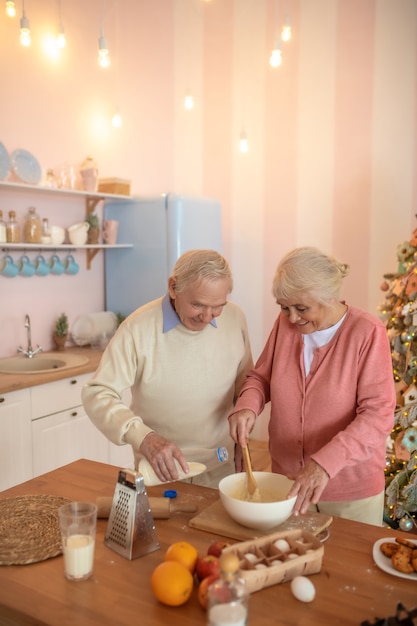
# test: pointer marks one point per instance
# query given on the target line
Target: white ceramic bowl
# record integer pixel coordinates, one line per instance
(57, 235)
(259, 515)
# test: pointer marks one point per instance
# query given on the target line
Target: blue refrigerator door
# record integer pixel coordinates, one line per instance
(160, 228)
(192, 222)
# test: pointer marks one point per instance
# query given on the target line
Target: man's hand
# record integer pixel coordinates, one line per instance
(161, 454)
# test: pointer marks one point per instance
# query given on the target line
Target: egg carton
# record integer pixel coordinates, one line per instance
(268, 561)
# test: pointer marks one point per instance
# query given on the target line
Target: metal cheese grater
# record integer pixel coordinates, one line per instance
(131, 530)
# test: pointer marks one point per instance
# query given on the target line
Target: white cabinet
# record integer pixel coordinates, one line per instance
(61, 430)
(15, 438)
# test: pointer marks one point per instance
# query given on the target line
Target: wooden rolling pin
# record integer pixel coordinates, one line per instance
(161, 507)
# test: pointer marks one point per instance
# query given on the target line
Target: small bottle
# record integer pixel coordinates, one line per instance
(228, 597)
(12, 229)
(3, 236)
(51, 180)
(32, 227)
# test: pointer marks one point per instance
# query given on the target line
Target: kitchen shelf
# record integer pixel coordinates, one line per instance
(62, 192)
(91, 249)
(91, 200)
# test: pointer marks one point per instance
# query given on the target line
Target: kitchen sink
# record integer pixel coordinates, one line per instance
(41, 363)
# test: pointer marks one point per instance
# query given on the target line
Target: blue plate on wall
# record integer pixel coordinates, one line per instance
(4, 162)
(26, 167)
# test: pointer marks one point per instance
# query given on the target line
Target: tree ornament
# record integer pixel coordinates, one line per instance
(406, 523)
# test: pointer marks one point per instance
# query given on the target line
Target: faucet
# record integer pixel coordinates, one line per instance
(30, 353)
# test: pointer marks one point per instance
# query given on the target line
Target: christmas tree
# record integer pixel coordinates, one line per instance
(399, 313)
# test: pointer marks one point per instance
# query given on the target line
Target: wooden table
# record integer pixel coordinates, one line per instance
(350, 588)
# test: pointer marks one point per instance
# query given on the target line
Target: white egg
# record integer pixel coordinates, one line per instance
(251, 557)
(282, 544)
(303, 589)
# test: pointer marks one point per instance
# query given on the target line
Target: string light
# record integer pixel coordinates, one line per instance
(25, 38)
(243, 143)
(275, 59)
(103, 51)
(286, 30)
(189, 101)
(116, 121)
(61, 41)
(10, 8)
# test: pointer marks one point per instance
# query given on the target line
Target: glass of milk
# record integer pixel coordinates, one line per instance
(77, 521)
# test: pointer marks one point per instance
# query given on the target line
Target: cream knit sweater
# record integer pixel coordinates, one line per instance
(183, 384)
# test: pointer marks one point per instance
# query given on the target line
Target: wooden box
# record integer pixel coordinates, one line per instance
(118, 186)
(263, 564)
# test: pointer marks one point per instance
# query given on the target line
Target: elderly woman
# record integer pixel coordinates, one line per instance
(326, 369)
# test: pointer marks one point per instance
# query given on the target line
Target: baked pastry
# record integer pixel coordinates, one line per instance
(401, 559)
(388, 548)
(414, 559)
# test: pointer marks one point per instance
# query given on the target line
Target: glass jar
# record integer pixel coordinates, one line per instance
(32, 231)
(3, 235)
(12, 229)
(228, 597)
(51, 180)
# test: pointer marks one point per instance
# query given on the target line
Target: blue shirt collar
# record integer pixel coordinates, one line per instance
(170, 317)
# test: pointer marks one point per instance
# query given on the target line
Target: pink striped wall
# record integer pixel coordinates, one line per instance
(332, 133)
(353, 141)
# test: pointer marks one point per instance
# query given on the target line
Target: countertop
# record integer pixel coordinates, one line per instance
(349, 589)
(14, 382)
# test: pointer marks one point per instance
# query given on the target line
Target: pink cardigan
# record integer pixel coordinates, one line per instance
(340, 415)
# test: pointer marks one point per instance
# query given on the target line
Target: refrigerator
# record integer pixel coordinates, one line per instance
(160, 229)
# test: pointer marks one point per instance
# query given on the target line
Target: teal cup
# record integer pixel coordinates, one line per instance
(56, 265)
(8, 267)
(26, 268)
(41, 266)
(71, 267)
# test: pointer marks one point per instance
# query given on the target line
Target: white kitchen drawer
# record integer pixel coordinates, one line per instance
(58, 395)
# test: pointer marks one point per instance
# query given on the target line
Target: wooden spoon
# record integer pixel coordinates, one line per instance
(251, 484)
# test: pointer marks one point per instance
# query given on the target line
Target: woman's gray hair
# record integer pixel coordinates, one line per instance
(308, 270)
(196, 265)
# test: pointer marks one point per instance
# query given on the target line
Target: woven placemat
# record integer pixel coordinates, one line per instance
(29, 529)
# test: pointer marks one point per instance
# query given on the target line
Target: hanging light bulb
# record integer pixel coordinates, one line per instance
(275, 59)
(25, 38)
(243, 143)
(103, 51)
(61, 41)
(10, 8)
(189, 101)
(116, 121)
(286, 30)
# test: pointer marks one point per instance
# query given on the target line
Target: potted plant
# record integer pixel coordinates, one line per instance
(94, 228)
(61, 331)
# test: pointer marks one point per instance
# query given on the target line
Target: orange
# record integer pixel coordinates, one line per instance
(184, 553)
(172, 583)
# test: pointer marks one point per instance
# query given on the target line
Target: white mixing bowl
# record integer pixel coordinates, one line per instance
(259, 515)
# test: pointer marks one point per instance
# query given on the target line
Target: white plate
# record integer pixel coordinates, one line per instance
(4, 162)
(384, 562)
(26, 167)
(151, 479)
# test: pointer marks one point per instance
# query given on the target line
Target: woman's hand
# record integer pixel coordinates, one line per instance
(161, 455)
(240, 426)
(308, 486)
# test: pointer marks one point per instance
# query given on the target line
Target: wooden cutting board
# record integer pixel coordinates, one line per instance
(214, 519)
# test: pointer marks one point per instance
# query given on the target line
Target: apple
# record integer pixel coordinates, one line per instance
(207, 565)
(202, 590)
(217, 547)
